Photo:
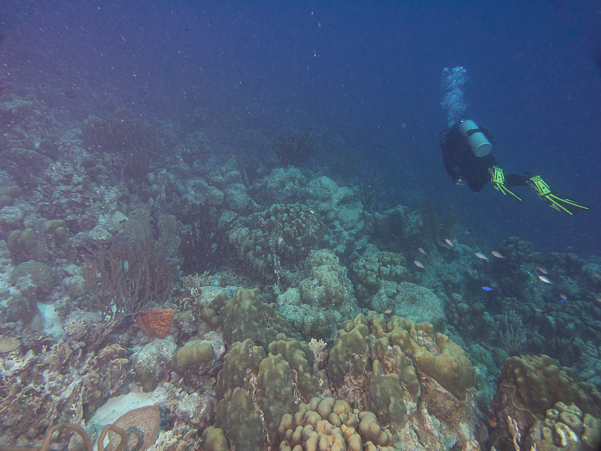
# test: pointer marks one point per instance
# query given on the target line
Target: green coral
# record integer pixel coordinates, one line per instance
(394, 360)
(192, 356)
(296, 353)
(214, 440)
(239, 420)
(350, 346)
(236, 413)
(434, 354)
(381, 384)
(250, 380)
(385, 396)
(249, 315)
(275, 393)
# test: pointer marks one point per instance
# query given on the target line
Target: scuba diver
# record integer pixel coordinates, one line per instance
(467, 157)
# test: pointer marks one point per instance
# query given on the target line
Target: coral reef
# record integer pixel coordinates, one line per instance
(399, 228)
(368, 272)
(242, 305)
(40, 275)
(152, 361)
(340, 208)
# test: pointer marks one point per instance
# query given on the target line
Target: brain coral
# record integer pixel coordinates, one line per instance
(281, 236)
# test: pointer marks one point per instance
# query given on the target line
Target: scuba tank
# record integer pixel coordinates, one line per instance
(477, 140)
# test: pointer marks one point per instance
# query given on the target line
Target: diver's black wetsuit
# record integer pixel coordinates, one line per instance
(461, 163)
(465, 167)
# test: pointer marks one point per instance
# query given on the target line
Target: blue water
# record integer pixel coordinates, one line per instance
(366, 76)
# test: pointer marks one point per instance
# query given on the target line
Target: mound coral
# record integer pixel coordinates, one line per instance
(547, 405)
(327, 423)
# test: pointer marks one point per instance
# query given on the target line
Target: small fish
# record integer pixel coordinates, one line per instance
(596, 275)
(538, 310)
(419, 264)
(562, 301)
(497, 254)
(563, 297)
(481, 256)
(598, 300)
(449, 242)
(543, 270)
(421, 249)
(387, 311)
(544, 279)
(488, 289)
(492, 422)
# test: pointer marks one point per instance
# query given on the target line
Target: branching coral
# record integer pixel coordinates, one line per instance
(204, 243)
(133, 139)
(133, 272)
(293, 149)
